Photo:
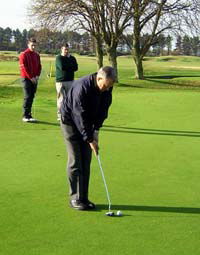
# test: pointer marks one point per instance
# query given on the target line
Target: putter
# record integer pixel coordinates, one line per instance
(34, 109)
(109, 213)
(34, 112)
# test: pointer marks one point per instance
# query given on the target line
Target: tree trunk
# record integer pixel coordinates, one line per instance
(137, 56)
(139, 73)
(137, 49)
(99, 52)
(112, 58)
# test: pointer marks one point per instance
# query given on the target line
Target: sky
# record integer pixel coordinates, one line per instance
(14, 14)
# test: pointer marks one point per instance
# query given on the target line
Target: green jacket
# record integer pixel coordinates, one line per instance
(65, 68)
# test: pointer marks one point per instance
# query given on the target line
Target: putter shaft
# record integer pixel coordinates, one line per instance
(104, 180)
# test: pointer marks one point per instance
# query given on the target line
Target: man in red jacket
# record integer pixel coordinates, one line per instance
(30, 69)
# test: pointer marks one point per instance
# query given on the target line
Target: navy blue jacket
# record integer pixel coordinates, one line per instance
(85, 106)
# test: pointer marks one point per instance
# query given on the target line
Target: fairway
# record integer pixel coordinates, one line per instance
(149, 149)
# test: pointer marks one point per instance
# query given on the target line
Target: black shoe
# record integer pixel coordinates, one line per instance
(90, 205)
(76, 204)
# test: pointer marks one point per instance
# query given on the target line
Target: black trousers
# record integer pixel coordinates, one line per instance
(78, 165)
(29, 90)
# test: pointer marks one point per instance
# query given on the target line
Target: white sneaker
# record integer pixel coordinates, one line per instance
(29, 119)
(25, 119)
(32, 119)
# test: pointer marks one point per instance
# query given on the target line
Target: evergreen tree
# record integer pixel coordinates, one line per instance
(169, 44)
(186, 44)
(178, 49)
(24, 39)
(18, 39)
(195, 45)
(1, 38)
(7, 37)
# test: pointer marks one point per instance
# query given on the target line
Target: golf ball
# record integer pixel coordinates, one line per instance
(119, 213)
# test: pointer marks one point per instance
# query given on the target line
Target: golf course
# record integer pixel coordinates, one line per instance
(149, 149)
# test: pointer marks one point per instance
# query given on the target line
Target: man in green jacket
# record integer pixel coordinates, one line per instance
(66, 65)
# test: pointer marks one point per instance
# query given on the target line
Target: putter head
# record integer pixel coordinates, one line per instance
(110, 214)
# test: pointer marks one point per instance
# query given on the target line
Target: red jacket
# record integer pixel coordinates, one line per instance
(29, 62)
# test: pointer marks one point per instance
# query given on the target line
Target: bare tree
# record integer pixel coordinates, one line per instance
(156, 17)
(75, 14)
(105, 20)
(85, 16)
(114, 17)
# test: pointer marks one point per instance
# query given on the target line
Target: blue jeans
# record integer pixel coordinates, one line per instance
(29, 90)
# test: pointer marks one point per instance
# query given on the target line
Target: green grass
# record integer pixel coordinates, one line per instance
(149, 148)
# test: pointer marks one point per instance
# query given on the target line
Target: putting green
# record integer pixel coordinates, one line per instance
(149, 150)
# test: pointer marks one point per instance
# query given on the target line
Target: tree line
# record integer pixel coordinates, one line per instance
(50, 42)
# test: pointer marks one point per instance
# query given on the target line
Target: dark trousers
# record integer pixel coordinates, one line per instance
(78, 165)
(29, 90)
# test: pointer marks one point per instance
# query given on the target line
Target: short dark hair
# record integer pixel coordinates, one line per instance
(33, 40)
(66, 45)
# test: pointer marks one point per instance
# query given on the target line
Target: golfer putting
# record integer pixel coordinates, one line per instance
(83, 111)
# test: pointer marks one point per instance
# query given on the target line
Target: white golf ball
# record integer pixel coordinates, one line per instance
(119, 213)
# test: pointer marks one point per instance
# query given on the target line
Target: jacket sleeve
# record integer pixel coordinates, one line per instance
(58, 63)
(24, 68)
(72, 65)
(39, 66)
(106, 101)
(80, 113)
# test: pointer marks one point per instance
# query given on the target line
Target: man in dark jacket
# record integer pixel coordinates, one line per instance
(30, 69)
(66, 65)
(83, 111)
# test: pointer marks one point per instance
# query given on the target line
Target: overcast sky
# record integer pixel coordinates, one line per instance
(14, 14)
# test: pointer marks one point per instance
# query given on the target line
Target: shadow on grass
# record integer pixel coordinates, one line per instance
(146, 131)
(166, 81)
(170, 76)
(131, 86)
(16, 74)
(174, 84)
(144, 208)
(46, 123)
